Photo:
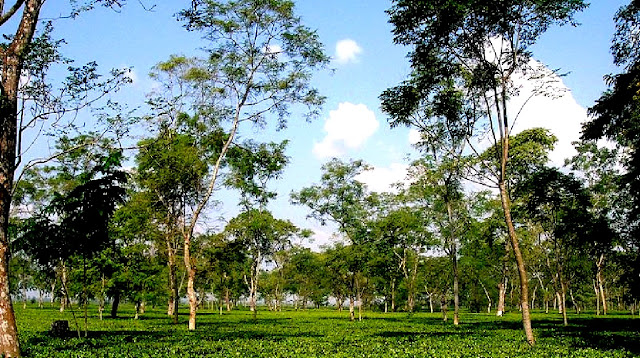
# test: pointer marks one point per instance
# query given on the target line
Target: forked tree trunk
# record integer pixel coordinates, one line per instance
(600, 281)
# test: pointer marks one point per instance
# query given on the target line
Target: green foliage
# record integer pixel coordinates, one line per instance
(262, 56)
(251, 167)
(324, 333)
(339, 198)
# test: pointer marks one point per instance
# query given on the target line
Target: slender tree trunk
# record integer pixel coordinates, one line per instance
(393, 295)
(443, 307)
(174, 298)
(502, 292)
(454, 265)
(227, 299)
(563, 304)
(24, 296)
(502, 286)
(456, 298)
(64, 300)
(253, 285)
(191, 277)
(352, 316)
(573, 301)
(533, 298)
(600, 266)
(522, 271)
(597, 293)
(359, 306)
(102, 298)
(53, 292)
(486, 293)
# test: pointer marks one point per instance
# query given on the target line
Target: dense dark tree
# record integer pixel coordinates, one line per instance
(616, 116)
(464, 58)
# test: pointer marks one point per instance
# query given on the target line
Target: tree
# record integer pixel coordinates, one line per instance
(559, 204)
(258, 65)
(172, 170)
(616, 116)
(437, 187)
(21, 54)
(473, 51)
(610, 205)
(402, 229)
(263, 236)
(342, 200)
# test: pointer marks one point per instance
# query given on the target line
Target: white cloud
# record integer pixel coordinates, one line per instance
(414, 136)
(554, 108)
(347, 51)
(347, 127)
(380, 179)
(131, 74)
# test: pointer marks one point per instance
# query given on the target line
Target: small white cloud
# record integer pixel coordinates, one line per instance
(380, 179)
(130, 73)
(414, 136)
(347, 51)
(347, 127)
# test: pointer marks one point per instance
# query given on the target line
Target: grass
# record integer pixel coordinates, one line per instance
(327, 333)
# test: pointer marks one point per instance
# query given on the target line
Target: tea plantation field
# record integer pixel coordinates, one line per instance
(327, 333)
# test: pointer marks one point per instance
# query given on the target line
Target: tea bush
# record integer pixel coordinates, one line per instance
(327, 333)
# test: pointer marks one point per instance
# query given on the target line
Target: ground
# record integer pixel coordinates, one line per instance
(327, 333)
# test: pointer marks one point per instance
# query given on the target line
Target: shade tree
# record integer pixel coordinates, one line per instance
(471, 53)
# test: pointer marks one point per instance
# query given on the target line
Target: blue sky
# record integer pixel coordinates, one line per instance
(366, 62)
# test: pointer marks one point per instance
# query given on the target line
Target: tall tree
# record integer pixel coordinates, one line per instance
(600, 168)
(342, 200)
(616, 116)
(263, 236)
(17, 56)
(259, 63)
(476, 48)
(560, 205)
(172, 169)
(403, 229)
(437, 185)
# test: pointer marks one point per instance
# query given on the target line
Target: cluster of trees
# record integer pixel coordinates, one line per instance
(81, 227)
